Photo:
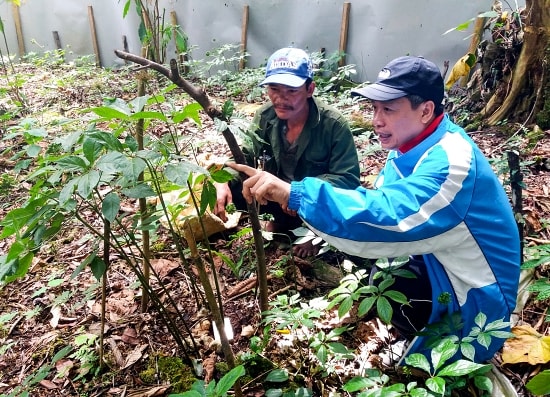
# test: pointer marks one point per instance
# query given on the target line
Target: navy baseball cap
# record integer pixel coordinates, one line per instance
(403, 76)
(288, 66)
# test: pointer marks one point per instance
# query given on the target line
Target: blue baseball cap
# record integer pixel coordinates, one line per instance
(403, 76)
(288, 66)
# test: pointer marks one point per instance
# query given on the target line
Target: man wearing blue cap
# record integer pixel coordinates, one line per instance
(297, 136)
(437, 201)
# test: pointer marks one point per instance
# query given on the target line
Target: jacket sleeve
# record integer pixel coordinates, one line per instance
(405, 217)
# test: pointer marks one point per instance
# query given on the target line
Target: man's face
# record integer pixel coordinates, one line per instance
(396, 122)
(289, 102)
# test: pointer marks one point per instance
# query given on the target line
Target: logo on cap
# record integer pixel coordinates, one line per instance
(384, 74)
(288, 66)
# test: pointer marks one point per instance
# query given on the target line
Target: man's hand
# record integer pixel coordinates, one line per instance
(223, 197)
(263, 186)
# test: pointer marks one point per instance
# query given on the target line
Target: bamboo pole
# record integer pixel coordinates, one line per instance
(244, 37)
(94, 35)
(18, 29)
(344, 33)
(476, 38)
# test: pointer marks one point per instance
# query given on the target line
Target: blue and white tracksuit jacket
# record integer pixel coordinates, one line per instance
(440, 200)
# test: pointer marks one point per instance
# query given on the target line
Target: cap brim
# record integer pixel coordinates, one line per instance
(284, 79)
(379, 92)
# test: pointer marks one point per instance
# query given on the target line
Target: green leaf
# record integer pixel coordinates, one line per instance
(358, 383)
(277, 375)
(540, 383)
(191, 111)
(67, 191)
(33, 150)
(136, 105)
(140, 191)
(149, 115)
(109, 140)
(110, 206)
(532, 263)
(134, 168)
(72, 163)
(396, 296)
(181, 41)
(113, 163)
(384, 309)
(461, 368)
(228, 108)
(208, 197)
(61, 354)
(98, 267)
(91, 148)
(468, 351)
(441, 353)
(436, 384)
(179, 173)
(126, 8)
(221, 176)
(418, 360)
(419, 392)
(10, 270)
(345, 306)
(15, 220)
(87, 183)
(480, 320)
(386, 283)
(366, 305)
(483, 383)
(338, 347)
(229, 380)
(109, 114)
(322, 354)
(484, 340)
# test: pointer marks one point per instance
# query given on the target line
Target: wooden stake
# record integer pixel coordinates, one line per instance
(18, 30)
(476, 38)
(244, 35)
(56, 39)
(125, 45)
(344, 33)
(94, 36)
(182, 58)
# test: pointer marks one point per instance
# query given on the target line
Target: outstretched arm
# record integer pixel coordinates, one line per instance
(263, 186)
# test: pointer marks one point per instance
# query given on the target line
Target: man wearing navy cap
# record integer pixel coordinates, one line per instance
(437, 201)
(297, 136)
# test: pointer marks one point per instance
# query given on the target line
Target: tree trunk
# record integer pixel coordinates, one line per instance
(521, 93)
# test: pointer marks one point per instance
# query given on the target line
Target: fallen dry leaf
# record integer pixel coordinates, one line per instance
(134, 356)
(527, 347)
(48, 384)
(163, 267)
(149, 392)
(130, 336)
(248, 331)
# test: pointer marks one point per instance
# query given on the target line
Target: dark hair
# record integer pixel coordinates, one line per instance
(417, 100)
(308, 83)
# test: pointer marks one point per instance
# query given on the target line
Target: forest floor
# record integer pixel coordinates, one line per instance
(48, 309)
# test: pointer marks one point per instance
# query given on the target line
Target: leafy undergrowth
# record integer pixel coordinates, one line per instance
(50, 319)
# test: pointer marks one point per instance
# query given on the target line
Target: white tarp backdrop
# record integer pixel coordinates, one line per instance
(378, 30)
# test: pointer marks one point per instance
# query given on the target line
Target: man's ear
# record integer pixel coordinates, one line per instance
(311, 89)
(428, 109)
